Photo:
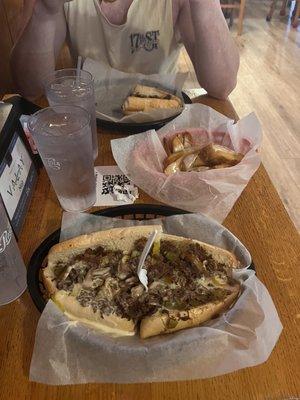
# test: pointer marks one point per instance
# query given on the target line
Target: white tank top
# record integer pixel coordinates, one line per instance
(146, 43)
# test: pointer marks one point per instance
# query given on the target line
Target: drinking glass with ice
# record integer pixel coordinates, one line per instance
(63, 138)
(76, 87)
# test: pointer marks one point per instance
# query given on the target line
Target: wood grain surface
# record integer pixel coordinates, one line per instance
(268, 84)
(260, 221)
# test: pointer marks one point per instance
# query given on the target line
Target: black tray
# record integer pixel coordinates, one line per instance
(133, 128)
(138, 212)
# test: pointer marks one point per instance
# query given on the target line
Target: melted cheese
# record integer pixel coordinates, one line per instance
(173, 286)
(76, 289)
(203, 281)
(215, 281)
(88, 281)
(76, 265)
(114, 332)
(219, 280)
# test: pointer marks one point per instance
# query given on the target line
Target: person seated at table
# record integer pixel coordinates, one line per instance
(143, 36)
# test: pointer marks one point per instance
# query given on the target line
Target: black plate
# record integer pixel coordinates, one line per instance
(132, 128)
(137, 211)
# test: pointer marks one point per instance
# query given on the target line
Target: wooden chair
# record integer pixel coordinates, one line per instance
(240, 5)
(295, 15)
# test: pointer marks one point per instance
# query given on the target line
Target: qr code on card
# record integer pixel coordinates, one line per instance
(109, 181)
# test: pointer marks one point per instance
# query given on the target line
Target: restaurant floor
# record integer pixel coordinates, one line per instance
(268, 84)
(268, 80)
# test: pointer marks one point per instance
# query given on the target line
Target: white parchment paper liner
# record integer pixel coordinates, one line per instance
(113, 86)
(69, 353)
(211, 192)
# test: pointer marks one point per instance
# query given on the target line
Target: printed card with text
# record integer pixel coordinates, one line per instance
(113, 187)
(17, 181)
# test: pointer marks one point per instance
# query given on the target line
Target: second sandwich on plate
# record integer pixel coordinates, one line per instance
(147, 98)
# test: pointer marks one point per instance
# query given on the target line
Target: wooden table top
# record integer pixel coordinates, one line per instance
(259, 220)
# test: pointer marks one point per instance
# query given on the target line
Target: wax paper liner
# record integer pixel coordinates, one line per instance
(212, 192)
(66, 352)
(113, 86)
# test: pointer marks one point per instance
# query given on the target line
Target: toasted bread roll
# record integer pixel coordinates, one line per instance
(145, 98)
(220, 255)
(137, 104)
(161, 323)
(112, 323)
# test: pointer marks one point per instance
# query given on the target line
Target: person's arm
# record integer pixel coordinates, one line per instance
(42, 35)
(210, 46)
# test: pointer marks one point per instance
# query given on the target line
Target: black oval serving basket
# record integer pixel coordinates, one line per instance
(136, 212)
(133, 128)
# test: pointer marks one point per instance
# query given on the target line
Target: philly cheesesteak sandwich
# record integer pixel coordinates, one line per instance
(93, 279)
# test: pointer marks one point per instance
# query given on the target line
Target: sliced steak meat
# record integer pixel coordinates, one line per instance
(174, 279)
(140, 244)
